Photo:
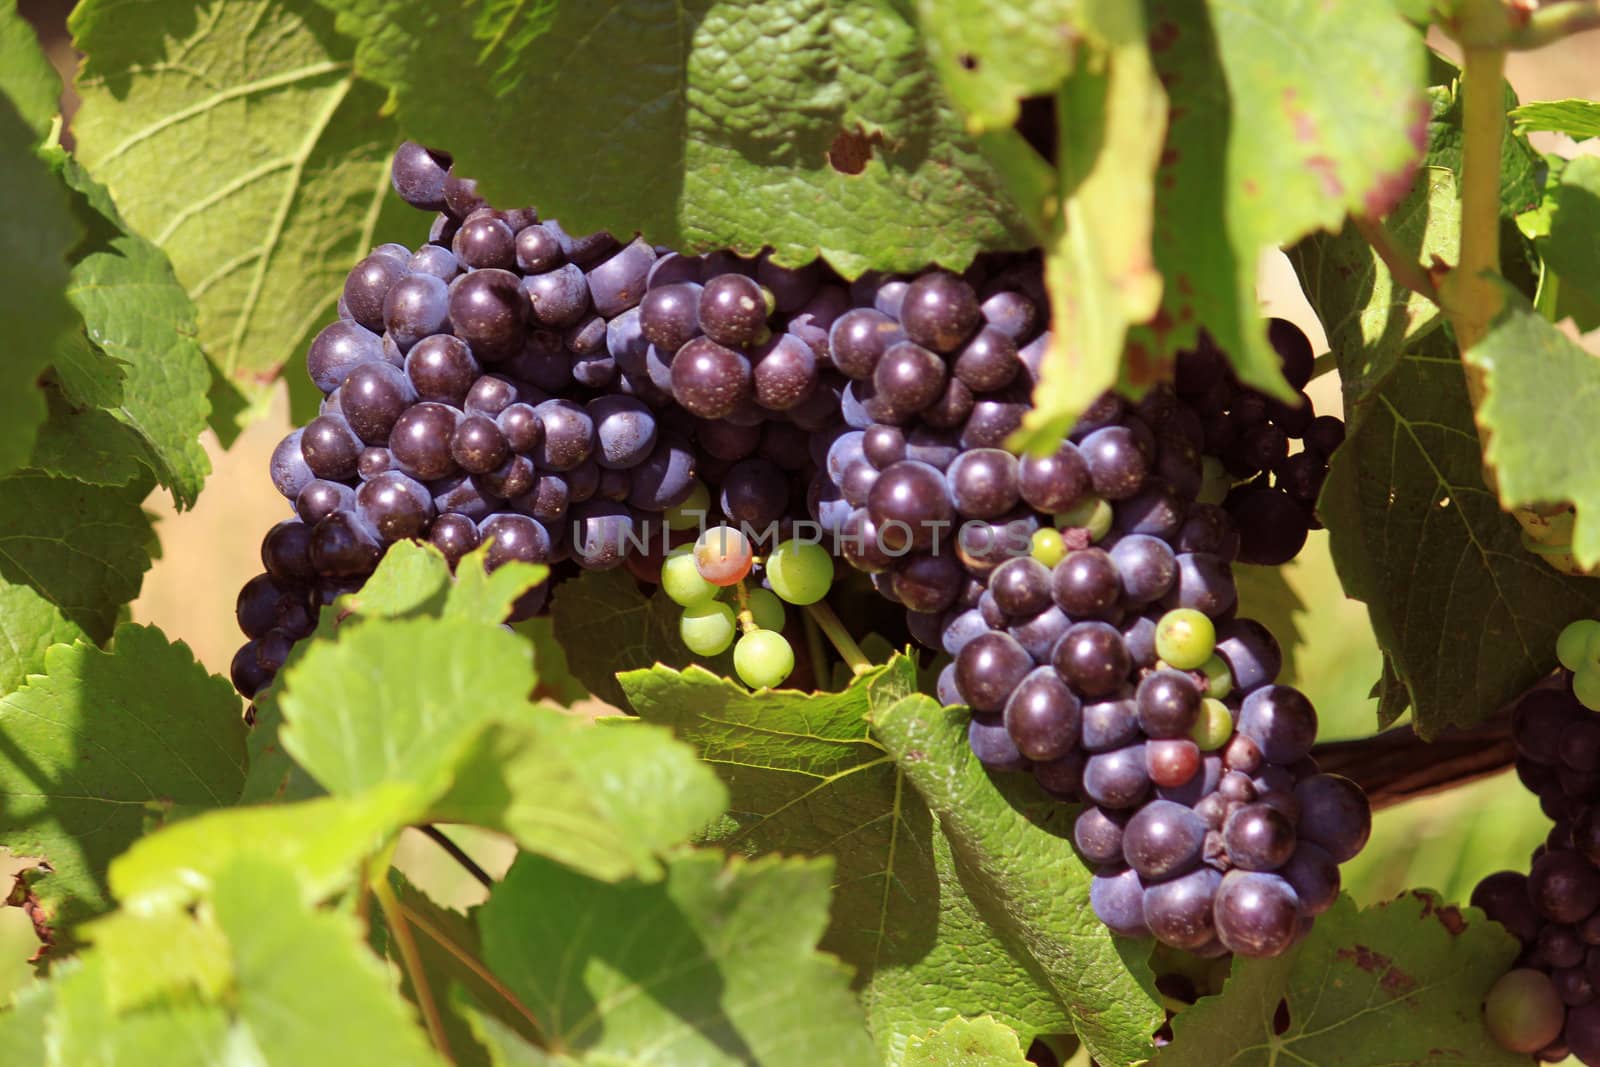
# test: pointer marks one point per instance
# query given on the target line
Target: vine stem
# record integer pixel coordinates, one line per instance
(1403, 268)
(1552, 22)
(1472, 295)
(839, 637)
(482, 973)
(395, 916)
(457, 853)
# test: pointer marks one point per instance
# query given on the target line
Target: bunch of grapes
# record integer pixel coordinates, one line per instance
(729, 429)
(1087, 599)
(576, 401)
(699, 577)
(1550, 1003)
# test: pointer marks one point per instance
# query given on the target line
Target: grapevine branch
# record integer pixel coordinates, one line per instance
(1397, 765)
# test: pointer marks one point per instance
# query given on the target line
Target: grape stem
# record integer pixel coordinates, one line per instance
(839, 637)
(1403, 267)
(747, 618)
(395, 917)
(457, 853)
(814, 649)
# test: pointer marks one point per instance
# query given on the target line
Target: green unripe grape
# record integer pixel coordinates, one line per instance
(1092, 514)
(1578, 644)
(1185, 638)
(1523, 1011)
(1586, 687)
(681, 581)
(763, 659)
(800, 572)
(1219, 678)
(766, 609)
(707, 629)
(1048, 546)
(1214, 726)
(690, 513)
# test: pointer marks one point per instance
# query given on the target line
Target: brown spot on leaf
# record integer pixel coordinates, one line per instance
(1397, 983)
(851, 150)
(1141, 367)
(1449, 915)
(1251, 188)
(1392, 979)
(968, 61)
(1162, 36)
(1280, 1018)
(1365, 958)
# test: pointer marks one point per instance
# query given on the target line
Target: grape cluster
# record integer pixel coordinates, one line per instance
(698, 576)
(1550, 1003)
(579, 401)
(1088, 601)
(591, 402)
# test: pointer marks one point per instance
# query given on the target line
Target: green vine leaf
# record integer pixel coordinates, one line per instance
(1401, 982)
(104, 744)
(85, 444)
(135, 312)
(1099, 266)
(397, 700)
(81, 547)
(1014, 845)
(36, 233)
(991, 56)
(607, 625)
(29, 625)
(277, 941)
(714, 966)
(810, 128)
(324, 841)
(1263, 148)
(1370, 320)
(441, 704)
(1465, 616)
(1570, 214)
(981, 1042)
(805, 776)
(1536, 384)
(83, 1026)
(281, 155)
(26, 76)
(245, 958)
(1578, 119)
